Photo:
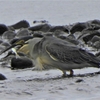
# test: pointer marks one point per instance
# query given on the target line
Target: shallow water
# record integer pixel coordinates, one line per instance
(55, 11)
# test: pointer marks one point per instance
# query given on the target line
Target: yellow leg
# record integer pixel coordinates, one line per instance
(64, 74)
(71, 72)
(70, 75)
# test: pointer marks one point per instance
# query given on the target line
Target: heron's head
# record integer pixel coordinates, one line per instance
(24, 45)
(17, 44)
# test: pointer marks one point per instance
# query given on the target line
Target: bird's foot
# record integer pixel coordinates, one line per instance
(64, 75)
(70, 75)
(34, 69)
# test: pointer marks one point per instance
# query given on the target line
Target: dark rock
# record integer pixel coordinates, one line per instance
(3, 28)
(2, 77)
(41, 27)
(78, 27)
(21, 63)
(21, 24)
(79, 80)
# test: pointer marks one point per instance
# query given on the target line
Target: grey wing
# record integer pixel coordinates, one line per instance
(64, 53)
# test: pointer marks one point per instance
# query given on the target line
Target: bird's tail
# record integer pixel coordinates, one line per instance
(95, 63)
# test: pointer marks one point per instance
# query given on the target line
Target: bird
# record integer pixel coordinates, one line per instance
(74, 41)
(59, 54)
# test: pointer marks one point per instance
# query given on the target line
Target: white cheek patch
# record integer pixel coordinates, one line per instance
(14, 50)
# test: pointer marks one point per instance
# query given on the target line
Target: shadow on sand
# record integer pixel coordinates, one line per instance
(60, 77)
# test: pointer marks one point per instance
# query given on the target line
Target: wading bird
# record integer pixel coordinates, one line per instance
(57, 53)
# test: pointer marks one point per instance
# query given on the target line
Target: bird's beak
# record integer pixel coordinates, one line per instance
(20, 42)
(9, 53)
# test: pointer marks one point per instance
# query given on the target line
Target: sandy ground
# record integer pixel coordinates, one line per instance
(48, 85)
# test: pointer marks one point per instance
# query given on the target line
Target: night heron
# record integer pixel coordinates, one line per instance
(57, 53)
